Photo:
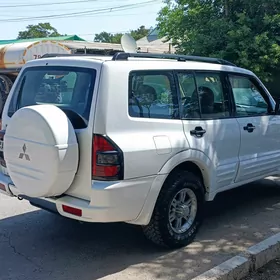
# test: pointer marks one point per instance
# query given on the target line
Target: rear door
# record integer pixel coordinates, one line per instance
(260, 145)
(208, 124)
(73, 89)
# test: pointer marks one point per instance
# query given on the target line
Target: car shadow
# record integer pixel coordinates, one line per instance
(40, 245)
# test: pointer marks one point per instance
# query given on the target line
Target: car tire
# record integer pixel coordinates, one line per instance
(164, 230)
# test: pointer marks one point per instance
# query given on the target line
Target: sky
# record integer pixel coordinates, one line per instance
(84, 18)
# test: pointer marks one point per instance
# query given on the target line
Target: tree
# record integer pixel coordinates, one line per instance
(105, 37)
(139, 33)
(246, 32)
(40, 30)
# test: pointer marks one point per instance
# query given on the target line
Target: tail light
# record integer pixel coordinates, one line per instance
(107, 159)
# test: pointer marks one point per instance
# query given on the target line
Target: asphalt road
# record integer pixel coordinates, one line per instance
(35, 244)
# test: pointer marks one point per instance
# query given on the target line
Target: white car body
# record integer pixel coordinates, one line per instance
(227, 156)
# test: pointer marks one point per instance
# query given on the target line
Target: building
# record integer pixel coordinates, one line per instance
(150, 43)
(153, 43)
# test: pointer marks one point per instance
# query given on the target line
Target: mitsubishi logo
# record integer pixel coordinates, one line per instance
(21, 155)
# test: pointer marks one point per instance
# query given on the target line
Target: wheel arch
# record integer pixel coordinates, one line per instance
(192, 167)
(190, 160)
(194, 161)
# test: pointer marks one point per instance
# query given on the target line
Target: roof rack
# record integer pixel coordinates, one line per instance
(125, 56)
(47, 55)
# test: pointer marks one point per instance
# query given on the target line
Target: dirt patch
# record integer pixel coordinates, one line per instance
(269, 272)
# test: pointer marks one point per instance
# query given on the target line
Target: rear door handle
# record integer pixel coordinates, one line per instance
(249, 127)
(198, 132)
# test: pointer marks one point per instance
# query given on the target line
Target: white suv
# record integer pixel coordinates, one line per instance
(138, 138)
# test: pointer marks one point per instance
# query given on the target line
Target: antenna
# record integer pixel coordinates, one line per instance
(128, 44)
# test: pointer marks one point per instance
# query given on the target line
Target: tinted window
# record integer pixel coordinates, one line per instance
(189, 97)
(153, 95)
(213, 100)
(203, 95)
(249, 99)
(69, 88)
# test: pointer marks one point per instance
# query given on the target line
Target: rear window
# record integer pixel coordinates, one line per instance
(69, 88)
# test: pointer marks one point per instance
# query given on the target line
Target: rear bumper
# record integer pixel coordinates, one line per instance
(130, 201)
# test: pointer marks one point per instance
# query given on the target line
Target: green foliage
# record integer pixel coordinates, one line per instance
(40, 30)
(140, 32)
(246, 32)
(106, 37)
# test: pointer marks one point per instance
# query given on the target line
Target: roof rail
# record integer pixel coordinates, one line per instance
(178, 57)
(66, 54)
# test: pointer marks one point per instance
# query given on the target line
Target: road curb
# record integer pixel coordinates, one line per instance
(241, 265)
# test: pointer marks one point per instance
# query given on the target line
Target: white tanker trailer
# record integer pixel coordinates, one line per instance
(14, 56)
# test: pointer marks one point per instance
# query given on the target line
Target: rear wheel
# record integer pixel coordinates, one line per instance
(178, 212)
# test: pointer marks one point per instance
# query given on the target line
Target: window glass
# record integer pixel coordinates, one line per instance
(69, 88)
(56, 88)
(203, 95)
(152, 95)
(214, 102)
(248, 98)
(189, 97)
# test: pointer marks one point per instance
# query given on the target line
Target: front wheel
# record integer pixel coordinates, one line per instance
(178, 212)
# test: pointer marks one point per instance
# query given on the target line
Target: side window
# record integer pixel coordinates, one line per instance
(153, 95)
(249, 99)
(203, 95)
(189, 97)
(214, 101)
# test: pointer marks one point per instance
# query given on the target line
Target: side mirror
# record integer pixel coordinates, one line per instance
(277, 106)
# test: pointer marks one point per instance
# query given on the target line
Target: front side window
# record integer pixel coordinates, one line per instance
(153, 95)
(249, 99)
(69, 88)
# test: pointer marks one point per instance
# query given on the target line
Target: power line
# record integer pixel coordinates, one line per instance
(45, 10)
(51, 3)
(110, 32)
(80, 9)
(88, 12)
(113, 15)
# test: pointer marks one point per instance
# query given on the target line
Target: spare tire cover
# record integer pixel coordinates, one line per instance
(41, 151)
